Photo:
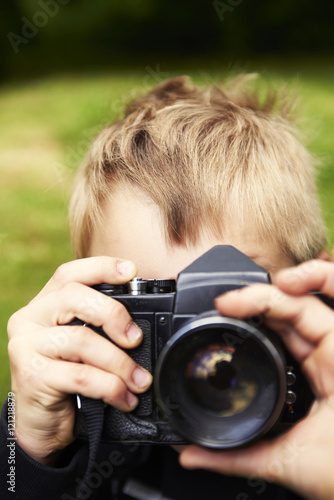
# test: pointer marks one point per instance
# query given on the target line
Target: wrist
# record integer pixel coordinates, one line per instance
(37, 449)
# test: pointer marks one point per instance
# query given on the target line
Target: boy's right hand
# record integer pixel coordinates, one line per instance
(50, 360)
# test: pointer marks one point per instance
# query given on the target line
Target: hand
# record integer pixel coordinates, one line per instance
(301, 459)
(50, 360)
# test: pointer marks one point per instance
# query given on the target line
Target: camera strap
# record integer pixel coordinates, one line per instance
(92, 411)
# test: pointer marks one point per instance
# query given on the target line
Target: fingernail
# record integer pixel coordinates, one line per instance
(142, 378)
(131, 399)
(125, 267)
(134, 333)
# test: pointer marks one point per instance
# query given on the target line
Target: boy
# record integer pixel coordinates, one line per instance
(185, 170)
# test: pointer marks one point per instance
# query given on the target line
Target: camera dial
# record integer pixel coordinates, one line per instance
(137, 286)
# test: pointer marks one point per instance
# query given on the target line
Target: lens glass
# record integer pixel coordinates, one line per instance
(220, 380)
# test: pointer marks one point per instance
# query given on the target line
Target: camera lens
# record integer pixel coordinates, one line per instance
(221, 381)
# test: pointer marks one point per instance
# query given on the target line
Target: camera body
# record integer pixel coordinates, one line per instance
(219, 382)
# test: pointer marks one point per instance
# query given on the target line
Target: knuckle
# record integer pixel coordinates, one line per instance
(61, 273)
(128, 365)
(117, 390)
(71, 289)
(26, 370)
(104, 263)
(125, 365)
(12, 325)
(13, 349)
(116, 309)
(82, 339)
(80, 376)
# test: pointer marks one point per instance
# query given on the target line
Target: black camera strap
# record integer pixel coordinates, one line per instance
(92, 411)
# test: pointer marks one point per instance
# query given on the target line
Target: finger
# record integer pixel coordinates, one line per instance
(75, 300)
(299, 346)
(235, 462)
(78, 378)
(296, 319)
(268, 460)
(303, 465)
(92, 271)
(308, 276)
(82, 345)
(300, 313)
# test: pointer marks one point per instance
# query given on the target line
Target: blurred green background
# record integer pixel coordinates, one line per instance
(68, 67)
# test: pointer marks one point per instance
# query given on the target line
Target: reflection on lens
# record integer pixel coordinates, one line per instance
(220, 380)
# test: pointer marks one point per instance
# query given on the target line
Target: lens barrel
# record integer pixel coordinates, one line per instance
(221, 381)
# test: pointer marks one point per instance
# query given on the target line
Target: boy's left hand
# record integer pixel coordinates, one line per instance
(301, 459)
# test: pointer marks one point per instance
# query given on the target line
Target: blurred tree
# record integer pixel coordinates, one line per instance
(71, 34)
(10, 20)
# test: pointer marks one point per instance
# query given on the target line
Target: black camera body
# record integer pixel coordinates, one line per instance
(219, 382)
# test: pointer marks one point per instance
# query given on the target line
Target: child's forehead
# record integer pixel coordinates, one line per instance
(133, 229)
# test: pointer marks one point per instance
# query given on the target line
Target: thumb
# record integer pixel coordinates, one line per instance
(269, 460)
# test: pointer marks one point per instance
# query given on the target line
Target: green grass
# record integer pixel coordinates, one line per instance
(45, 129)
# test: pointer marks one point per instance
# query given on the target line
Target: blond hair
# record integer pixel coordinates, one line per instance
(206, 157)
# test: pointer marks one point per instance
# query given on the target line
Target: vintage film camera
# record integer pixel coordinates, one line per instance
(219, 382)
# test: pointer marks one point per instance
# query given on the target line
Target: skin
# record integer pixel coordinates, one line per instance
(51, 360)
(132, 228)
(302, 458)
